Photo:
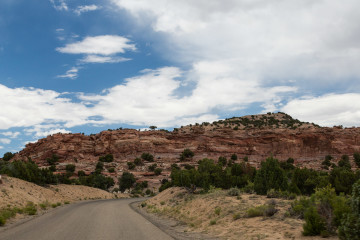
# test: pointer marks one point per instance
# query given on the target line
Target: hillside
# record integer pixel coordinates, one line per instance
(16, 193)
(255, 137)
(225, 216)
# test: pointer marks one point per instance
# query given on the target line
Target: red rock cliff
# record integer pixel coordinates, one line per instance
(306, 143)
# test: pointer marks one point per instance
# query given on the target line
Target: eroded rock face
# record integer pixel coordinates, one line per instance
(307, 144)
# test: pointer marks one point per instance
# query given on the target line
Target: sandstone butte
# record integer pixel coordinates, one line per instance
(256, 137)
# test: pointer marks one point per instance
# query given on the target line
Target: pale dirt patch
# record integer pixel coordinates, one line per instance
(16, 192)
(198, 212)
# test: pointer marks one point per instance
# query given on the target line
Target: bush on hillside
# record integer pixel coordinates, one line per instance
(147, 157)
(186, 154)
(350, 225)
(107, 158)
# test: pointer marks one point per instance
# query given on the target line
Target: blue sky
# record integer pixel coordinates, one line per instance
(86, 66)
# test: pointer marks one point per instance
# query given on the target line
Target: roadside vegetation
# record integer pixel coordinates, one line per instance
(327, 201)
(29, 171)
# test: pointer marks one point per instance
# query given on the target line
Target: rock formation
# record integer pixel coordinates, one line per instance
(256, 137)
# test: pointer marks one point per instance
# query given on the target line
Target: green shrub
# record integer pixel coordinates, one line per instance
(138, 162)
(256, 211)
(30, 208)
(70, 168)
(234, 157)
(222, 161)
(344, 162)
(106, 158)
(249, 187)
(99, 167)
(157, 171)
(357, 159)
(212, 222)
(270, 210)
(314, 223)
(131, 165)
(44, 205)
(126, 181)
(152, 167)
(217, 210)
(272, 193)
(299, 207)
(187, 153)
(233, 192)
(111, 170)
(54, 159)
(8, 213)
(350, 225)
(7, 156)
(2, 221)
(147, 157)
(54, 205)
(270, 176)
(236, 216)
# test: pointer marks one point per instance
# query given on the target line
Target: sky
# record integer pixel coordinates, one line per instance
(89, 65)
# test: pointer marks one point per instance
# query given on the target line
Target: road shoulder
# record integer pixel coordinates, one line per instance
(175, 229)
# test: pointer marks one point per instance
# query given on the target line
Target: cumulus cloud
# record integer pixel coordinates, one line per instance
(72, 73)
(148, 99)
(39, 134)
(103, 59)
(98, 49)
(327, 110)
(27, 107)
(59, 5)
(5, 141)
(86, 8)
(99, 45)
(258, 47)
(11, 134)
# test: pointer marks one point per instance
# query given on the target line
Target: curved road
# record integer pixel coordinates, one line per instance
(97, 220)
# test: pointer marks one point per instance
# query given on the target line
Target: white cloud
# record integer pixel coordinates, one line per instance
(5, 141)
(86, 8)
(310, 42)
(150, 98)
(103, 59)
(27, 107)
(98, 49)
(147, 99)
(1, 147)
(243, 52)
(59, 5)
(40, 134)
(72, 73)
(99, 45)
(11, 134)
(327, 110)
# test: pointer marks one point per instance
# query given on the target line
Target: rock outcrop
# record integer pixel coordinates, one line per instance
(256, 137)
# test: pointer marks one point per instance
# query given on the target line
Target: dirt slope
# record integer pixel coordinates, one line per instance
(198, 212)
(16, 192)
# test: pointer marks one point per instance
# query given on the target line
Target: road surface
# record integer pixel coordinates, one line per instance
(96, 220)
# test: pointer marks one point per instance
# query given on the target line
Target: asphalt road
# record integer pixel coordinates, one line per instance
(96, 220)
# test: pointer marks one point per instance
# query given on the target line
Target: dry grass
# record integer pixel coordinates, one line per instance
(226, 216)
(16, 193)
